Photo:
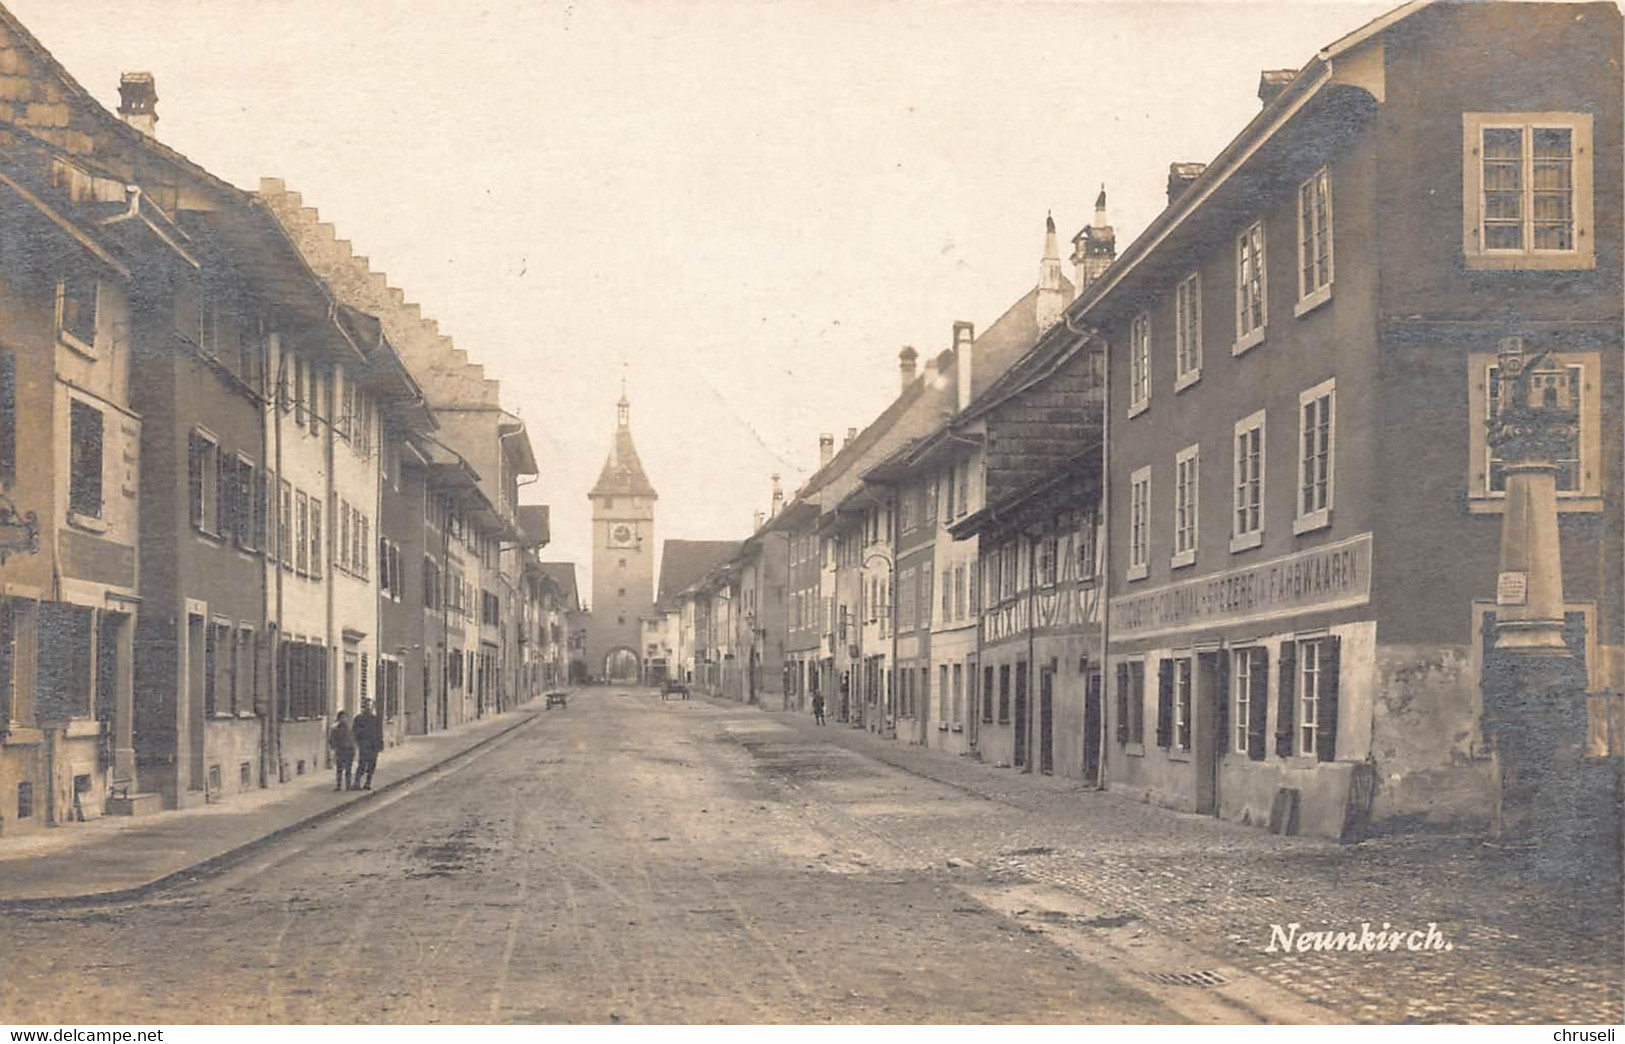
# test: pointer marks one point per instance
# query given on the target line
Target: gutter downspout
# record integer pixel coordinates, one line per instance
(274, 494)
(1032, 663)
(1103, 552)
(268, 746)
(893, 682)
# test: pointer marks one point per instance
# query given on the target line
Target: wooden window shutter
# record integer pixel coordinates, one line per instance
(1165, 702)
(1285, 698)
(1122, 702)
(1258, 704)
(194, 476)
(1326, 720)
(1221, 705)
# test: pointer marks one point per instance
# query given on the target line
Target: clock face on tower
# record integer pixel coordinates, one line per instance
(621, 535)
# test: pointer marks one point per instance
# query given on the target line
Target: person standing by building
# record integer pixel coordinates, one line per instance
(818, 708)
(369, 743)
(341, 741)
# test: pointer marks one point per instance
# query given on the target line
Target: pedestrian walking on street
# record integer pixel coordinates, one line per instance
(818, 708)
(369, 743)
(341, 741)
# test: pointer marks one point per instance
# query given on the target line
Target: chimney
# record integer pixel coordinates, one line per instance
(905, 364)
(851, 433)
(138, 102)
(826, 448)
(1051, 299)
(760, 521)
(778, 498)
(964, 346)
(1094, 248)
(1271, 82)
(1180, 177)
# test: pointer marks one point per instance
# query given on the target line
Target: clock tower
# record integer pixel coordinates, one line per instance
(623, 549)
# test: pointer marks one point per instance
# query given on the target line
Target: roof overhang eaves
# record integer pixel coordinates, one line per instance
(1312, 95)
(91, 244)
(1076, 484)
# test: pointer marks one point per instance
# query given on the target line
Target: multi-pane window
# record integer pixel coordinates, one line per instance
(1308, 705)
(1139, 344)
(931, 495)
(202, 461)
(959, 695)
(974, 592)
(1247, 525)
(964, 488)
(1251, 288)
(1187, 465)
(1528, 188)
(1315, 437)
(1004, 693)
(1188, 329)
(85, 460)
(1182, 702)
(947, 596)
(1009, 570)
(315, 537)
(1249, 685)
(244, 490)
(959, 592)
(1086, 547)
(1048, 550)
(76, 310)
(1315, 234)
(1139, 525)
(301, 539)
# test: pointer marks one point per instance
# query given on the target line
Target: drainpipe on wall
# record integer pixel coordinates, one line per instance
(274, 494)
(1103, 552)
(268, 752)
(1032, 664)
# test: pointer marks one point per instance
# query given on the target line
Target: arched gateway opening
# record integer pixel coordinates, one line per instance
(622, 667)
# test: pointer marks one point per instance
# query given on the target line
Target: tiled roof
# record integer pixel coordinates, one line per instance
(684, 562)
(623, 473)
(563, 576)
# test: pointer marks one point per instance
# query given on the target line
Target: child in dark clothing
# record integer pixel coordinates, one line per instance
(341, 740)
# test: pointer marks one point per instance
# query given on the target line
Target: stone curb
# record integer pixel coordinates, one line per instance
(221, 860)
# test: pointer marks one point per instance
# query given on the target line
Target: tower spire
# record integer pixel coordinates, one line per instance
(623, 409)
(1051, 297)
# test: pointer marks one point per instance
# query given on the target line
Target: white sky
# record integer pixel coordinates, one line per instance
(748, 209)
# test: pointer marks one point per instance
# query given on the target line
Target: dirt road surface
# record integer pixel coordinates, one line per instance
(623, 860)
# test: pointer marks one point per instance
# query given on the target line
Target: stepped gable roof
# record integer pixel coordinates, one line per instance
(684, 563)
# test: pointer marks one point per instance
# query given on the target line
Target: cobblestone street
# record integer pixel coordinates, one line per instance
(1526, 947)
(634, 860)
